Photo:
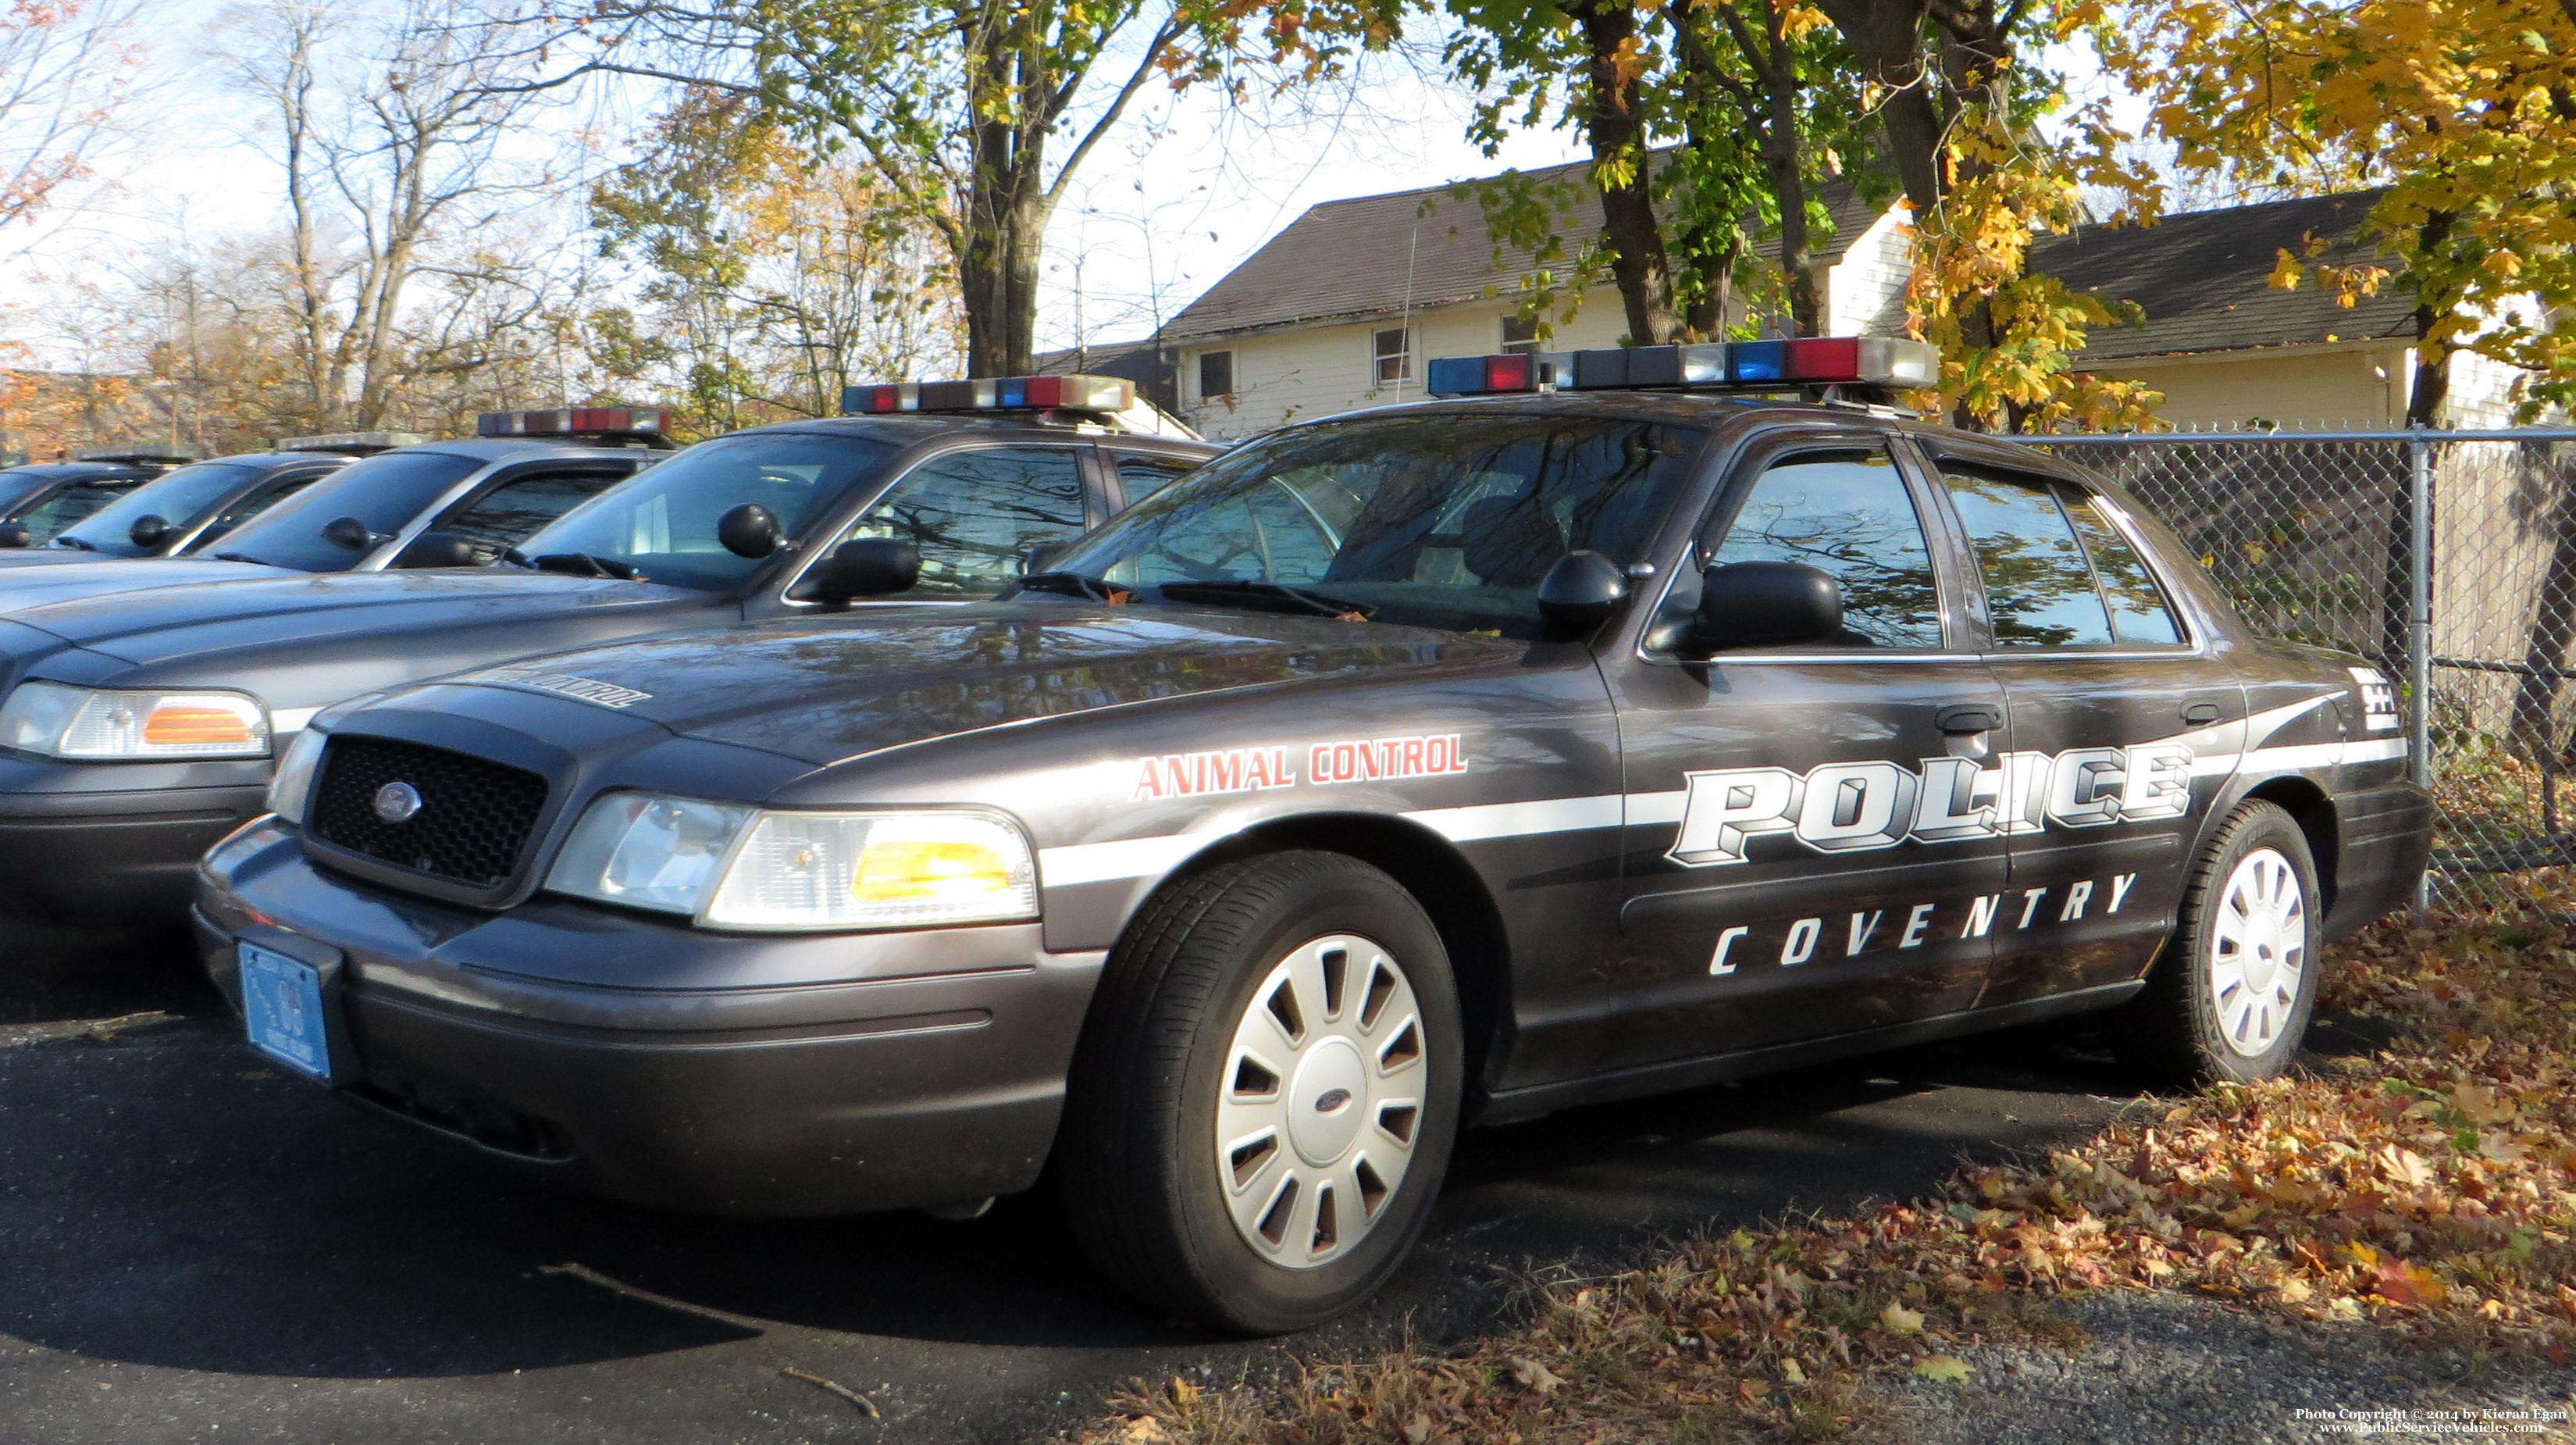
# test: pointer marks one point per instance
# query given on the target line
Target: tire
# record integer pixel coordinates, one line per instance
(2231, 994)
(1187, 1057)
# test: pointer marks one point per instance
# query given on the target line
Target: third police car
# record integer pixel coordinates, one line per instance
(1455, 761)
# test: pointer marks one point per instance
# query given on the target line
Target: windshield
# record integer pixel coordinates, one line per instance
(17, 482)
(663, 523)
(178, 499)
(1431, 521)
(384, 491)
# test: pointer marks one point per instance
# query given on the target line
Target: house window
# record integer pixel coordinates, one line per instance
(1216, 374)
(1392, 357)
(1520, 334)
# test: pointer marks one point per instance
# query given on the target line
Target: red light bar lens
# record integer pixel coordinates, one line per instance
(1824, 358)
(1514, 372)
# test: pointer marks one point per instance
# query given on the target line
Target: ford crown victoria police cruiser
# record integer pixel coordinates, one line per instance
(140, 727)
(1466, 759)
(187, 509)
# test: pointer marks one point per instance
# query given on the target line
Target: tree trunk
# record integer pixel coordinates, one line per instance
(1886, 37)
(1639, 262)
(1780, 155)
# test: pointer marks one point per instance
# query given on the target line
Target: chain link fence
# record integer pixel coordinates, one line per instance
(2449, 557)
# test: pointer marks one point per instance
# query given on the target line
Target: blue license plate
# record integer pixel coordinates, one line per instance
(282, 1007)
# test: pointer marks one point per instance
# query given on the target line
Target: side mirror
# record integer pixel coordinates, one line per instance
(440, 549)
(750, 530)
(1580, 593)
(868, 567)
(1765, 604)
(351, 533)
(149, 530)
(15, 534)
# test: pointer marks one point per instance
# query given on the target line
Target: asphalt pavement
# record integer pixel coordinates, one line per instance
(196, 1247)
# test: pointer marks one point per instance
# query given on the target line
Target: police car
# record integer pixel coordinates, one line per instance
(409, 504)
(139, 727)
(37, 501)
(1599, 730)
(187, 509)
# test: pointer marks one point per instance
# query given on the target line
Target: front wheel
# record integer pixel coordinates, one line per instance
(1260, 1114)
(2231, 996)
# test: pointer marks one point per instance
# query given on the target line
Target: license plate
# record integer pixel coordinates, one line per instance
(282, 1008)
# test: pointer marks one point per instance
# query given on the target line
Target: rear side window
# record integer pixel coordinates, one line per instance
(1142, 474)
(385, 492)
(974, 514)
(516, 510)
(68, 506)
(1849, 514)
(2039, 584)
(2139, 611)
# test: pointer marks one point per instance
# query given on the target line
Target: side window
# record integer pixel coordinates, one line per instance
(512, 512)
(259, 499)
(2139, 611)
(2039, 586)
(1848, 513)
(69, 505)
(973, 514)
(1142, 474)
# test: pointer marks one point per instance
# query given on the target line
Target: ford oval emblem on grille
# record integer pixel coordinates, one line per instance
(397, 802)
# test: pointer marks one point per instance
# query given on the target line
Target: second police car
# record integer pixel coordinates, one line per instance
(140, 727)
(1455, 761)
(190, 508)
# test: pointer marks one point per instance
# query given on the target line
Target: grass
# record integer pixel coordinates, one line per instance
(2429, 1189)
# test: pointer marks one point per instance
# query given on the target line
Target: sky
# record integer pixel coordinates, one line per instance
(1183, 190)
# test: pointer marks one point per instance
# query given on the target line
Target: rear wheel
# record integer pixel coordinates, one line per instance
(2232, 994)
(1261, 1111)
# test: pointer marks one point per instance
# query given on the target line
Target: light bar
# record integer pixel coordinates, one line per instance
(1801, 361)
(352, 441)
(998, 393)
(140, 456)
(575, 421)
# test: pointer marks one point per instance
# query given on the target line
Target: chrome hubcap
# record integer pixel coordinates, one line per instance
(2258, 951)
(1321, 1102)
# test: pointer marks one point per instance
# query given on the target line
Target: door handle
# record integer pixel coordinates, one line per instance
(1961, 719)
(2200, 714)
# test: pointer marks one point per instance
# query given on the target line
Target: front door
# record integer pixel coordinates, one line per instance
(2113, 705)
(1806, 837)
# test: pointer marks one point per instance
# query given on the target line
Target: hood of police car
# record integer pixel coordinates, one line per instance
(32, 586)
(826, 689)
(288, 609)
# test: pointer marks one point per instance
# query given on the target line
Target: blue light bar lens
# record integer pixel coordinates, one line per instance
(1013, 391)
(1757, 360)
(1457, 375)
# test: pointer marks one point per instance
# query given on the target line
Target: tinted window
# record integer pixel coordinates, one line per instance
(20, 482)
(251, 504)
(517, 510)
(1438, 521)
(2139, 612)
(664, 522)
(2038, 586)
(1141, 475)
(67, 505)
(973, 515)
(1847, 513)
(385, 491)
(178, 498)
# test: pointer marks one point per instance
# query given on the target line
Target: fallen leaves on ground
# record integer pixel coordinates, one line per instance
(2429, 1189)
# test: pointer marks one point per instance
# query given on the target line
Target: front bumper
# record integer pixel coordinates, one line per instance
(113, 845)
(766, 1075)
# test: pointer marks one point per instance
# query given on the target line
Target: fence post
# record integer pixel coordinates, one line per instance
(2419, 623)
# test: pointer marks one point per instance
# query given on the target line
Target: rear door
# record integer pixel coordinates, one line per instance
(1141, 474)
(1808, 828)
(2112, 702)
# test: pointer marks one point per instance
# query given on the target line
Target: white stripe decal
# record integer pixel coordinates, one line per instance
(290, 720)
(1127, 858)
(1520, 820)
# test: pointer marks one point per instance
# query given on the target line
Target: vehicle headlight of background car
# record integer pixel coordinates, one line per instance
(96, 725)
(726, 865)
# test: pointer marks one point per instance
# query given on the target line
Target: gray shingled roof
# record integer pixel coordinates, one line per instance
(1346, 260)
(2203, 278)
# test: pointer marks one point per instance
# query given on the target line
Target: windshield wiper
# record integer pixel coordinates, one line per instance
(1268, 597)
(583, 564)
(74, 543)
(1075, 584)
(238, 557)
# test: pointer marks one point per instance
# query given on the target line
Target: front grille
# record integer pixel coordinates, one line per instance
(474, 818)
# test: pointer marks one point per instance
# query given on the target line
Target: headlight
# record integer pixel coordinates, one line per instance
(293, 786)
(80, 722)
(732, 867)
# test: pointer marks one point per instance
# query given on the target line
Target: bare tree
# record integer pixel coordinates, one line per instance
(68, 71)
